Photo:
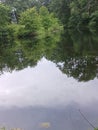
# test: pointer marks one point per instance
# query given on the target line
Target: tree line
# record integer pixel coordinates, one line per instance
(74, 14)
(28, 21)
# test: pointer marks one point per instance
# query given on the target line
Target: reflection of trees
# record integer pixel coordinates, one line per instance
(79, 56)
(81, 68)
(19, 54)
(77, 53)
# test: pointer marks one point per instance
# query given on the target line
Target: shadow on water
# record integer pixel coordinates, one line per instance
(75, 54)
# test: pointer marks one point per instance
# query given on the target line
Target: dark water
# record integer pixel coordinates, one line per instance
(45, 82)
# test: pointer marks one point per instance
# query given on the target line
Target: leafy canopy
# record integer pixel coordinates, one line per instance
(4, 15)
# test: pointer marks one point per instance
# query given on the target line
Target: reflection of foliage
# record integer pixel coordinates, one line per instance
(81, 68)
(77, 53)
(15, 57)
(19, 54)
(79, 56)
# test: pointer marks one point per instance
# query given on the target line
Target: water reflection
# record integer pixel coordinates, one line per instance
(19, 54)
(77, 53)
(43, 94)
(44, 85)
(39, 82)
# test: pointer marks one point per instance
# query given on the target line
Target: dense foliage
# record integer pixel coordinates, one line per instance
(75, 55)
(30, 22)
(42, 18)
(74, 14)
(4, 15)
(34, 22)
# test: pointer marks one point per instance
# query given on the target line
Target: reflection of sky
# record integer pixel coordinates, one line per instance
(46, 86)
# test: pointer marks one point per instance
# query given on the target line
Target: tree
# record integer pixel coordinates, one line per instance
(61, 10)
(49, 21)
(94, 20)
(4, 15)
(31, 22)
(36, 22)
(20, 5)
(74, 14)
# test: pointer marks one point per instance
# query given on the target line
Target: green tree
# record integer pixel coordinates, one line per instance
(49, 21)
(31, 22)
(4, 15)
(61, 10)
(74, 14)
(40, 22)
(20, 5)
(94, 20)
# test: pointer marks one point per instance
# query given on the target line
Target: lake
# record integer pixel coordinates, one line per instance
(49, 83)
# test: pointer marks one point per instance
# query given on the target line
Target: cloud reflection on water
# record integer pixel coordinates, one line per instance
(45, 85)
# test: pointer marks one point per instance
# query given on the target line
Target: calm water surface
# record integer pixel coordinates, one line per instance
(43, 86)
